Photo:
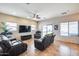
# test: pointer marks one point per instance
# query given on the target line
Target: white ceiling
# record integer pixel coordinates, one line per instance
(44, 10)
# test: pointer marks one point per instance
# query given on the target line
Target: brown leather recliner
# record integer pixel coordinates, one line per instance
(43, 43)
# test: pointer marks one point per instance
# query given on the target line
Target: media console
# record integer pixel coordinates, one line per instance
(26, 36)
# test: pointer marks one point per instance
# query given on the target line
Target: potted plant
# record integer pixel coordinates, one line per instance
(4, 28)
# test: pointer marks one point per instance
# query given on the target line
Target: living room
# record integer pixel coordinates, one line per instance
(39, 29)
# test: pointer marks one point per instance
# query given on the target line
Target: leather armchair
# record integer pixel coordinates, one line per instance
(43, 43)
(37, 35)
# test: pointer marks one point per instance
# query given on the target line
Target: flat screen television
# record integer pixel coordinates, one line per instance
(23, 28)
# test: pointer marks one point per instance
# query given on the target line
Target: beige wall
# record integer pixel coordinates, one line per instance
(57, 21)
(18, 20)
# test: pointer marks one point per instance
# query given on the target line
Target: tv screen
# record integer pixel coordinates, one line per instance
(23, 28)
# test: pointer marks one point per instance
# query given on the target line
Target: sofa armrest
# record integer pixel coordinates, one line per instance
(39, 45)
(39, 40)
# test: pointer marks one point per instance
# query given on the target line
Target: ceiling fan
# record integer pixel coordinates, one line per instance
(36, 16)
(34, 13)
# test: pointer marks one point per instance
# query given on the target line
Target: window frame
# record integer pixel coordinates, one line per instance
(47, 29)
(69, 28)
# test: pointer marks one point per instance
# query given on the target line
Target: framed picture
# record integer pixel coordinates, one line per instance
(55, 27)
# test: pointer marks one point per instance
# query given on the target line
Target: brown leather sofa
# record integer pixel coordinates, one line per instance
(44, 42)
(12, 50)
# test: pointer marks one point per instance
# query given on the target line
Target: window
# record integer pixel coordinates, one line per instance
(47, 29)
(73, 28)
(64, 29)
(44, 30)
(33, 27)
(11, 26)
(69, 28)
